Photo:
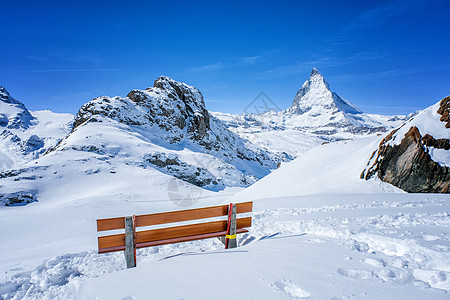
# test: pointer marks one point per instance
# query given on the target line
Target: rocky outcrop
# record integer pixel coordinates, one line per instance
(169, 104)
(174, 107)
(409, 164)
(173, 115)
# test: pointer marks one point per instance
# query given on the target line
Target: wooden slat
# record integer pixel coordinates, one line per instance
(187, 238)
(110, 224)
(111, 241)
(190, 214)
(111, 249)
(171, 241)
(118, 240)
(188, 230)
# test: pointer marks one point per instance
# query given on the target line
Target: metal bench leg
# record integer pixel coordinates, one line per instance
(130, 241)
(231, 236)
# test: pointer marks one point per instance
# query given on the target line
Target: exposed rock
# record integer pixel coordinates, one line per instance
(171, 164)
(18, 198)
(444, 111)
(408, 164)
(33, 143)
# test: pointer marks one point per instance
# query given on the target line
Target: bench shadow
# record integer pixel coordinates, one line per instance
(204, 253)
(274, 236)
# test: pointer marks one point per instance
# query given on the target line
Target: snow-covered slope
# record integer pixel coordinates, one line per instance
(332, 168)
(27, 135)
(165, 128)
(317, 115)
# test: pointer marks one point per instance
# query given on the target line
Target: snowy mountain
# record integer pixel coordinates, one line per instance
(416, 156)
(14, 114)
(316, 99)
(164, 131)
(317, 115)
(27, 135)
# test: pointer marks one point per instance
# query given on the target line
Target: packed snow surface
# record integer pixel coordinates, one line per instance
(318, 232)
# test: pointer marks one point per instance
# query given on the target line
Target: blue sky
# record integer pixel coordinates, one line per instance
(388, 57)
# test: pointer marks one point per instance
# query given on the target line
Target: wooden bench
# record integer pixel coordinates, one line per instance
(132, 239)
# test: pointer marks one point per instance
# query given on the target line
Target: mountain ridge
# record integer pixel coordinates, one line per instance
(162, 133)
(317, 115)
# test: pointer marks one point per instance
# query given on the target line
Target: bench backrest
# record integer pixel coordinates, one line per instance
(173, 234)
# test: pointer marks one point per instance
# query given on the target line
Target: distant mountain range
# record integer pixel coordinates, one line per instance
(164, 133)
(164, 129)
(317, 115)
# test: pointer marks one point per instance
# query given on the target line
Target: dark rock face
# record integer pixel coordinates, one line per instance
(409, 165)
(195, 175)
(18, 198)
(167, 104)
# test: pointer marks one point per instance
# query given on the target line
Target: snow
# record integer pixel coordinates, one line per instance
(337, 165)
(441, 156)
(317, 234)
(428, 122)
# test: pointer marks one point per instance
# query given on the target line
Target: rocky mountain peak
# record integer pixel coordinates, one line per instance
(316, 98)
(5, 97)
(14, 114)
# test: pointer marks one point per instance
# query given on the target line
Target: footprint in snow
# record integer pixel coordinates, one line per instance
(356, 274)
(375, 262)
(291, 289)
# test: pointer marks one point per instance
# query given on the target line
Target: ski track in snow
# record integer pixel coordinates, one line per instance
(403, 242)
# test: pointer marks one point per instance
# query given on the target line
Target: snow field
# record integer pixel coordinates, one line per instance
(328, 247)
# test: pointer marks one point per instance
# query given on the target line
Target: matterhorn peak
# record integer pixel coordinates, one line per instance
(316, 98)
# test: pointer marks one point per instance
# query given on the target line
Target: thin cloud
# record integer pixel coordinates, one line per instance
(251, 60)
(373, 19)
(78, 58)
(294, 69)
(209, 68)
(36, 58)
(386, 74)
